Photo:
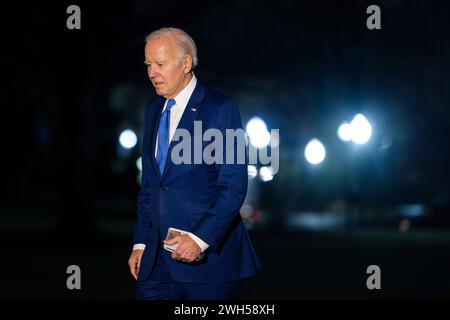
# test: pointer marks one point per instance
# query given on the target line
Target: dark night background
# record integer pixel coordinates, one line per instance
(69, 189)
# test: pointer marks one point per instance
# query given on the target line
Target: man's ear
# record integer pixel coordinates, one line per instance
(187, 63)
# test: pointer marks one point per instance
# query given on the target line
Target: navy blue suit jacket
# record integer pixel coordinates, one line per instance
(201, 198)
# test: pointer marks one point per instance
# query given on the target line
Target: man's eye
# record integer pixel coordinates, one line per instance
(160, 64)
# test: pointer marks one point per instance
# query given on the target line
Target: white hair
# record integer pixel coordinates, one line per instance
(184, 41)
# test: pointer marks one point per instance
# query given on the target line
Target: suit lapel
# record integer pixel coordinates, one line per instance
(154, 132)
(187, 120)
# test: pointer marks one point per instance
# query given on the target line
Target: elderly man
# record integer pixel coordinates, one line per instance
(214, 253)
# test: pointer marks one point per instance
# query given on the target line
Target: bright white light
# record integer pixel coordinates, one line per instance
(257, 131)
(139, 163)
(252, 171)
(361, 129)
(127, 139)
(266, 173)
(345, 132)
(315, 152)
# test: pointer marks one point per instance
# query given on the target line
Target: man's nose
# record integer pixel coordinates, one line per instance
(152, 72)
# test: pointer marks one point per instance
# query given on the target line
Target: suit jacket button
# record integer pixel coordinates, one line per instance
(163, 188)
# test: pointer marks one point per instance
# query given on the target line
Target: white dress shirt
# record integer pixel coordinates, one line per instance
(181, 101)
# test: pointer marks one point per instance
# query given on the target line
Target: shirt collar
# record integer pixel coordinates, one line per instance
(183, 97)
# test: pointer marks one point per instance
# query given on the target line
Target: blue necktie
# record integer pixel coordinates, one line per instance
(163, 136)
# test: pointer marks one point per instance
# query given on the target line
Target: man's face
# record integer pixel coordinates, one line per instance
(167, 69)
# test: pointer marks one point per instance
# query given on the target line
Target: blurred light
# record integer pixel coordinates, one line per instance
(345, 132)
(256, 129)
(361, 129)
(266, 173)
(127, 139)
(404, 225)
(315, 152)
(249, 215)
(386, 143)
(246, 210)
(139, 178)
(252, 171)
(315, 221)
(139, 163)
(413, 210)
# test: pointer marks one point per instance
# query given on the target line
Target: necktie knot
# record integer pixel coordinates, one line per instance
(170, 104)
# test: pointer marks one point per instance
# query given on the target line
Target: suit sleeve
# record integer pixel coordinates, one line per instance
(232, 184)
(143, 223)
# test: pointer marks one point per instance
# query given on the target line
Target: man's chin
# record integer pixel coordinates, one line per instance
(159, 92)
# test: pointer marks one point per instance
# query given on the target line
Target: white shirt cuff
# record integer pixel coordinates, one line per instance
(202, 244)
(139, 246)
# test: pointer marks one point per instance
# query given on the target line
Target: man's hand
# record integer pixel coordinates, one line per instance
(187, 249)
(135, 262)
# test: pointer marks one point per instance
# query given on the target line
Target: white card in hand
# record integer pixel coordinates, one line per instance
(172, 233)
